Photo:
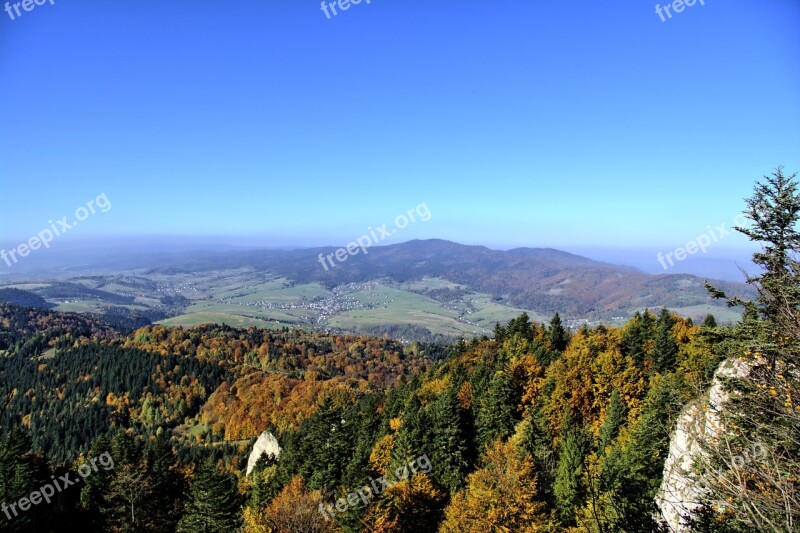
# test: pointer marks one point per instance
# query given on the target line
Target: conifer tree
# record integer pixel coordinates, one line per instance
(499, 332)
(167, 487)
(665, 347)
(544, 355)
(263, 478)
(709, 321)
(774, 212)
(19, 477)
(615, 419)
(520, 326)
(568, 488)
(763, 492)
(128, 498)
(642, 465)
(496, 409)
(214, 505)
(413, 438)
(558, 335)
(93, 492)
(325, 447)
(366, 422)
(637, 335)
(449, 446)
(536, 442)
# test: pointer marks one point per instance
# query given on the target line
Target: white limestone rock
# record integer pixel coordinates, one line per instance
(266, 443)
(699, 423)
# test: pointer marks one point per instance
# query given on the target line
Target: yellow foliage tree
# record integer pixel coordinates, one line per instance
(411, 505)
(501, 496)
(381, 454)
(585, 376)
(293, 509)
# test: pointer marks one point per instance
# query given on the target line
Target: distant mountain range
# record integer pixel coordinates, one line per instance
(423, 287)
(544, 280)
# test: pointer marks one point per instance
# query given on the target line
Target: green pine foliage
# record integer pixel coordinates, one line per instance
(449, 443)
(638, 336)
(19, 476)
(495, 416)
(569, 488)
(213, 505)
(665, 347)
(754, 478)
(414, 435)
(558, 334)
(615, 419)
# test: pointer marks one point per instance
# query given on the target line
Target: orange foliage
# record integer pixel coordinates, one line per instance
(501, 496)
(293, 509)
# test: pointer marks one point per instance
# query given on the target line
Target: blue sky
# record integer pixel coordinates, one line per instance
(571, 124)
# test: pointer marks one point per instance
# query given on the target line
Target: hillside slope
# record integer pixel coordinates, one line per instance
(543, 280)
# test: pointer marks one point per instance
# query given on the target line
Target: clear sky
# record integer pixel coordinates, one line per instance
(519, 123)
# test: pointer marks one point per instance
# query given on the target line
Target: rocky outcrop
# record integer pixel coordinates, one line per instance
(266, 443)
(698, 425)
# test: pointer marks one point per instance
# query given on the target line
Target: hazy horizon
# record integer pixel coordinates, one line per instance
(719, 263)
(271, 119)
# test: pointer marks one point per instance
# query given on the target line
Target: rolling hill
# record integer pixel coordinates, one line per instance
(543, 280)
(417, 290)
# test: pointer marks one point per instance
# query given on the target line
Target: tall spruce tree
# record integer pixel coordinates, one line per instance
(325, 446)
(615, 419)
(167, 487)
(709, 321)
(449, 451)
(520, 326)
(569, 488)
(558, 334)
(763, 493)
(774, 212)
(414, 436)
(19, 477)
(537, 442)
(367, 422)
(665, 347)
(496, 409)
(643, 462)
(263, 481)
(637, 336)
(128, 502)
(94, 490)
(499, 332)
(214, 505)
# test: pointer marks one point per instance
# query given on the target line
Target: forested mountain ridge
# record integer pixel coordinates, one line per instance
(543, 280)
(431, 291)
(22, 298)
(28, 331)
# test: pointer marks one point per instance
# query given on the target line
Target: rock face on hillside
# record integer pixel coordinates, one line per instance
(266, 443)
(698, 424)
